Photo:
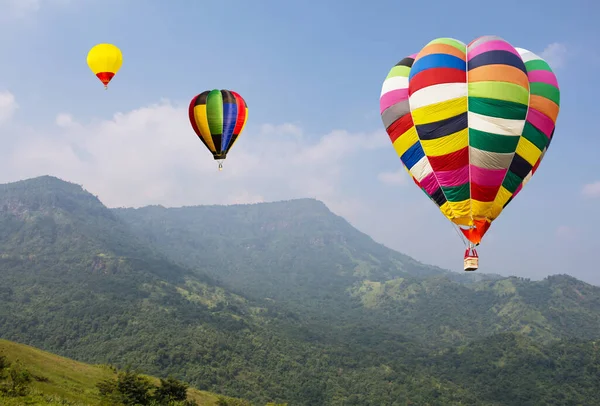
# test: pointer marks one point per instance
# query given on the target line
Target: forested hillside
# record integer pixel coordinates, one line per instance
(282, 302)
(300, 253)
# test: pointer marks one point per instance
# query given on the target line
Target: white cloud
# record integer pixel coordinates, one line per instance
(555, 54)
(22, 8)
(152, 156)
(399, 177)
(591, 189)
(64, 120)
(8, 106)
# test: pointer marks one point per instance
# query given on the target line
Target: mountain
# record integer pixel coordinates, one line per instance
(294, 250)
(299, 253)
(512, 369)
(441, 311)
(505, 369)
(75, 281)
(281, 302)
(62, 381)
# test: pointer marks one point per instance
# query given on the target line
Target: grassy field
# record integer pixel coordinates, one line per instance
(62, 381)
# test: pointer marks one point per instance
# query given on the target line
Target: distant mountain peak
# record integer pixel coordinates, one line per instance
(43, 194)
(47, 182)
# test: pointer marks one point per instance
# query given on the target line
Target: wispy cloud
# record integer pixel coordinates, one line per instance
(151, 156)
(22, 8)
(591, 189)
(8, 106)
(556, 55)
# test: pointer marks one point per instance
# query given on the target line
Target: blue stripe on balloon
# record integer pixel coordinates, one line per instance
(413, 155)
(229, 120)
(436, 61)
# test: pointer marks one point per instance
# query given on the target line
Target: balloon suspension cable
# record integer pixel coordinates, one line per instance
(461, 235)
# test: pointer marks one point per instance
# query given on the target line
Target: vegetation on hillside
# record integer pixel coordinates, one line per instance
(282, 302)
(300, 255)
(31, 376)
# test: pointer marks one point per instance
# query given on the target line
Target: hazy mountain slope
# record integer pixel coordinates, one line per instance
(295, 251)
(299, 253)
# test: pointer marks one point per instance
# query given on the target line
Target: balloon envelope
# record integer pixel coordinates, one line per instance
(104, 61)
(471, 123)
(218, 117)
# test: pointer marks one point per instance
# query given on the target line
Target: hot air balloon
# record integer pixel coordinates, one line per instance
(105, 60)
(471, 124)
(218, 117)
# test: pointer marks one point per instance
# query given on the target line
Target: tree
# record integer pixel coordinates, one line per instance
(171, 389)
(4, 364)
(18, 380)
(134, 388)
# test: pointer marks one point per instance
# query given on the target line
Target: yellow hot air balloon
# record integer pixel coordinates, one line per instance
(105, 60)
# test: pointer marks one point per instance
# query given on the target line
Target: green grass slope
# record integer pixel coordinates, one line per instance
(58, 380)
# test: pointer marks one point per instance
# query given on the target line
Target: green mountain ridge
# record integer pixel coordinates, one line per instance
(300, 253)
(75, 282)
(280, 302)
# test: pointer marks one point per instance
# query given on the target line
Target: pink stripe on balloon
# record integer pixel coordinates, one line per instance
(540, 121)
(456, 177)
(543, 76)
(517, 191)
(391, 98)
(487, 177)
(430, 184)
(413, 56)
(495, 45)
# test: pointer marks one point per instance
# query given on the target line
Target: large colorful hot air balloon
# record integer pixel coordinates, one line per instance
(471, 124)
(105, 60)
(218, 117)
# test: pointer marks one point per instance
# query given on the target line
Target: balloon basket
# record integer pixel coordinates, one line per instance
(471, 260)
(471, 264)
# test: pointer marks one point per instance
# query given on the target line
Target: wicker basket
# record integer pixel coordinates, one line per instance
(471, 263)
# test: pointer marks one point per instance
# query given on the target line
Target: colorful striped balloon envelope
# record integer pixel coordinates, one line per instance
(471, 124)
(218, 117)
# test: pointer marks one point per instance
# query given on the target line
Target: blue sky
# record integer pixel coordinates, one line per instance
(311, 74)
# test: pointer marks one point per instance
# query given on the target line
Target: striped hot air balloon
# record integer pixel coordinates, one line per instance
(471, 124)
(218, 117)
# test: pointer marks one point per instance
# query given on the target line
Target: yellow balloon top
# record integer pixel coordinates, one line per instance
(105, 60)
